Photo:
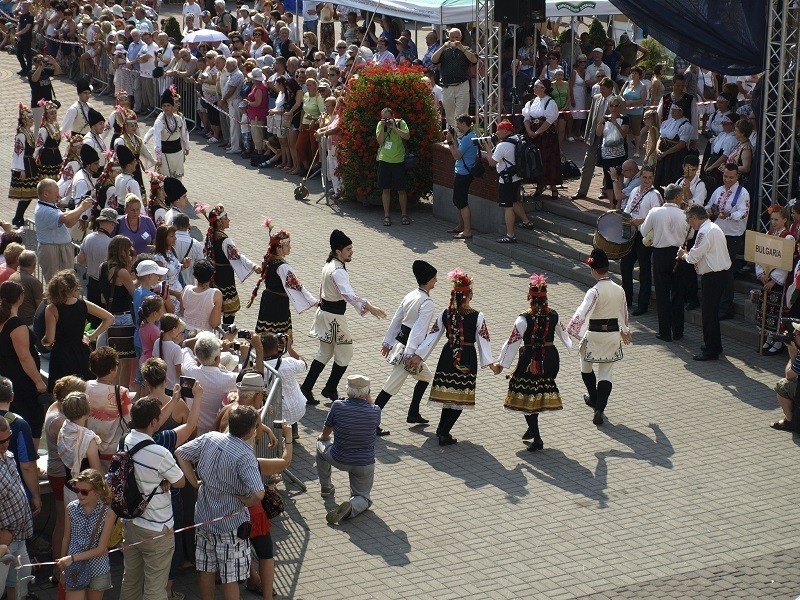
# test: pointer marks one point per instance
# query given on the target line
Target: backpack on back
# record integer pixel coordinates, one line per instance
(127, 501)
(527, 158)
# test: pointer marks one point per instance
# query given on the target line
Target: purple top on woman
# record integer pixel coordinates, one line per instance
(144, 236)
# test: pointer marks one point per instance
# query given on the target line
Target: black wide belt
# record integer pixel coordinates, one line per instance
(444, 85)
(171, 146)
(603, 325)
(337, 308)
(402, 337)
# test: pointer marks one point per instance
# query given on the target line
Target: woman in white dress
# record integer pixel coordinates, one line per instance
(578, 100)
(171, 137)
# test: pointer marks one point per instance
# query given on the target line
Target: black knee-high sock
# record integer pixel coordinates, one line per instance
(331, 389)
(447, 420)
(382, 399)
(416, 398)
(533, 427)
(314, 372)
(19, 215)
(590, 381)
(603, 392)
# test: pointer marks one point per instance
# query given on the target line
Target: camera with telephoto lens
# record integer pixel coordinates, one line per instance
(244, 334)
(477, 141)
(786, 337)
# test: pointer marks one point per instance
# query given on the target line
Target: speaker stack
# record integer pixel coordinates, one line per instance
(518, 12)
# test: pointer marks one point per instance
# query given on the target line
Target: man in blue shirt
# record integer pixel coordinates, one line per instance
(353, 421)
(21, 445)
(433, 45)
(52, 229)
(465, 152)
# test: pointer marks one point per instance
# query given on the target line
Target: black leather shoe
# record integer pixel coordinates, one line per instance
(381, 432)
(598, 418)
(447, 440)
(536, 445)
(705, 357)
(310, 400)
(676, 338)
(417, 419)
(588, 400)
(578, 196)
(639, 311)
(662, 338)
(332, 395)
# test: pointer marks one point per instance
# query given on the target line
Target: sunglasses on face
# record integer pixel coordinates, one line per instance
(82, 492)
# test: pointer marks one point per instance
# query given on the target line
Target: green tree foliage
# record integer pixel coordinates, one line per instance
(173, 29)
(597, 34)
(656, 53)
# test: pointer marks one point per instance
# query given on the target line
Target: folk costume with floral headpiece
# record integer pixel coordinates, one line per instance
(171, 138)
(24, 171)
(47, 150)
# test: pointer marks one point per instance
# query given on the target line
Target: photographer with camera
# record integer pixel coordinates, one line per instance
(454, 60)
(503, 158)
(786, 387)
(45, 67)
(392, 134)
(461, 142)
(276, 348)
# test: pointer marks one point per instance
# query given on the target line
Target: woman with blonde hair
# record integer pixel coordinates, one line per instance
(651, 127)
(89, 524)
(78, 446)
(56, 472)
(65, 321)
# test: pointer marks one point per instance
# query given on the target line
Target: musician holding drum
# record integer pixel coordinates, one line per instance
(642, 200)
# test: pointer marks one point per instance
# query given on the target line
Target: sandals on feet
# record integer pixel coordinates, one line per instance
(507, 239)
(782, 425)
(528, 225)
(406, 220)
(462, 236)
(387, 221)
(455, 230)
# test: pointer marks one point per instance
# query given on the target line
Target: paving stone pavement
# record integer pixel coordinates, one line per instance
(684, 492)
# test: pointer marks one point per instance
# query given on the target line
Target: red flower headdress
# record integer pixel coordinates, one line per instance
(275, 241)
(774, 208)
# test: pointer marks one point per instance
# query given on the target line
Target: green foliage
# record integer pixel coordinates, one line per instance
(410, 99)
(564, 37)
(656, 54)
(597, 34)
(173, 29)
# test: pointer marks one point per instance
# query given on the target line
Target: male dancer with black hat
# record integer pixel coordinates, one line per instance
(94, 138)
(601, 326)
(174, 197)
(330, 324)
(170, 136)
(407, 330)
(76, 119)
(126, 183)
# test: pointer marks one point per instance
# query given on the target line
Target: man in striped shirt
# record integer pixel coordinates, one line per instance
(147, 564)
(231, 482)
(353, 421)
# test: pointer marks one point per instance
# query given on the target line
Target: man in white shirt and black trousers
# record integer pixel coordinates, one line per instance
(710, 258)
(641, 201)
(732, 202)
(693, 191)
(667, 223)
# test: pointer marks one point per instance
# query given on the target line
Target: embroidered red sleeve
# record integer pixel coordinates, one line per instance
(292, 283)
(514, 336)
(484, 332)
(67, 173)
(39, 141)
(232, 253)
(19, 147)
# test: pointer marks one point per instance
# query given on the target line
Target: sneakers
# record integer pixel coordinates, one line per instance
(507, 239)
(340, 512)
(327, 492)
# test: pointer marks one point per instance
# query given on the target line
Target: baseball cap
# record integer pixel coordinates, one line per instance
(150, 267)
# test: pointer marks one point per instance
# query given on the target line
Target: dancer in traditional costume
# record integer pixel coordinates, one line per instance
(330, 324)
(95, 136)
(774, 284)
(281, 287)
(532, 388)
(171, 136)
(70, 165)
(116, 120)
(76, 119)
(125, 183)
(600, 325)
(408, 329)
(228, 262)
(130, 139)
(24, 173)
(453, 388)
(47, 152)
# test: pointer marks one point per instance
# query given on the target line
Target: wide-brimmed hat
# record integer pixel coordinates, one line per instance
(108, 214)
(251, 382)
(257, 74)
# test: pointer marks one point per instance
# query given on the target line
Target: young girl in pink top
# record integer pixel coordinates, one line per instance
(150, 313)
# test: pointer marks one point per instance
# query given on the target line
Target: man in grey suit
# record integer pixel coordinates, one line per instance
(596, 113)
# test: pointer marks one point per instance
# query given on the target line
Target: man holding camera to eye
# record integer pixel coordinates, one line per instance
(276, 346)
(454, 60)
(503, 158)
(786, 388)
(44, 68)
(392, 134)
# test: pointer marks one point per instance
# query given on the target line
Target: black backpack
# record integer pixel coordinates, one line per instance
(126, 499)
(527, 158)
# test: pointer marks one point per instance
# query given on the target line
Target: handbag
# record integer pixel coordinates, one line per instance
(78, 575)
(272, 503)
(158, 72)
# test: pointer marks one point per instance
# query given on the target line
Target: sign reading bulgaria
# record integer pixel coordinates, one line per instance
(769, 251)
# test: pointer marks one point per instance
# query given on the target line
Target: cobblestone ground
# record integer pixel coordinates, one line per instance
(684, 492)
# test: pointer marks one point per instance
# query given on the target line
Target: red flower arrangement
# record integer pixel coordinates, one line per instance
(402, 90)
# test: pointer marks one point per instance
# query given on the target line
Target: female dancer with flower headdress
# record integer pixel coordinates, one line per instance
(69, 166)
(281, 286)
(47, 152)
(453, 386)
(131, 140)
(227, 260)
(116, 120)
(171, 136)
(24, 172)
(532, 388)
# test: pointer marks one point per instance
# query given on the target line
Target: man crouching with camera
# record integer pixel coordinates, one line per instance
(503, 158)
(786, 388)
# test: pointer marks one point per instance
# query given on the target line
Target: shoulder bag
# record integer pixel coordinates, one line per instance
(78, 575)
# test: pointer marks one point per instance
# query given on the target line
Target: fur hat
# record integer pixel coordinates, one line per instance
(124, 156)
(95, 117)
(423, 271)
(88, 155)
(598, 259)
(83, 86)
(173, 189)
(339, 240)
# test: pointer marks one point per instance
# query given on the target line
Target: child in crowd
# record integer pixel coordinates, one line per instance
(168, 346)
(150, 313)
(148, 275)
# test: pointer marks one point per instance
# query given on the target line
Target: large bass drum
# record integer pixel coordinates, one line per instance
(613, 236)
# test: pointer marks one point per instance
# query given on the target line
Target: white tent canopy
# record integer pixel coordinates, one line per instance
(447, 12)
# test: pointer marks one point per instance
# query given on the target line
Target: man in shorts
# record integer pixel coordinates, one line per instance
(392, 134)
(503, 158)
(786, 388)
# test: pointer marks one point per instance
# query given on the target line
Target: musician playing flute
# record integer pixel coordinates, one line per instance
(667, 224)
